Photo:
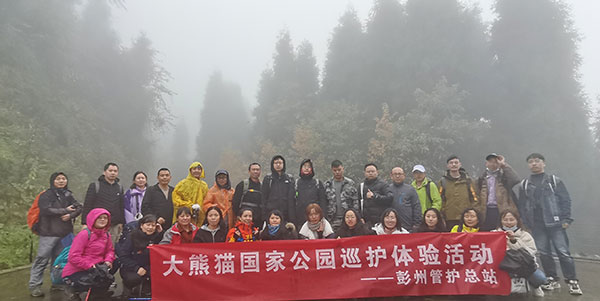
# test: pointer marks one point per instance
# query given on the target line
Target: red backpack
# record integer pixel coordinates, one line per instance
(33, 215)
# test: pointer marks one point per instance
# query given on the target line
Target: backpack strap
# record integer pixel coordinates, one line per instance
(428, 201)
(97, 186)
(362, 200)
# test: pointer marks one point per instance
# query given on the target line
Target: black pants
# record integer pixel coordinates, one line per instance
(492, 219)
(131, 279)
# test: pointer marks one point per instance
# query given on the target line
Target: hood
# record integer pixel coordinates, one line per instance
(53, 177)
(195, 164)
(312, 169)
(102, 179)
(93, 216)
(222, 172)
(273, 160)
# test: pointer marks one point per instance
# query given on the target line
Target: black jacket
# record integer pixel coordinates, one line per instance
(308, 190)
(154, 202)
(203, 235)
(109, 197)
(252, 199)
(278, 193)
(287, 232)
(382, 199)
(53, 205)
(130, 253)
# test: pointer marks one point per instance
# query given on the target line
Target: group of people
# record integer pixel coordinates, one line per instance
(283, 207)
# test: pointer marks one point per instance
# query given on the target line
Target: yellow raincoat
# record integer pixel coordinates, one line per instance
(188, 192)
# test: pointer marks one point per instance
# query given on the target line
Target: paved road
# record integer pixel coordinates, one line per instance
(13, 286)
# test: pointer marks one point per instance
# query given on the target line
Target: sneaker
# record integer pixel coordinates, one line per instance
(37, 292)
(538, 292)
(574, 288)
(550, 285)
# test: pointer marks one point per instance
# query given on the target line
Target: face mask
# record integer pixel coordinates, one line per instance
(513, 228)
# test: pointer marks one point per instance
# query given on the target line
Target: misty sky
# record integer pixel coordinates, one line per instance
(196, 38)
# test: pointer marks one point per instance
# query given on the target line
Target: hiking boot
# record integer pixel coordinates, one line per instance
(574, 288)
(71, 294)
(538, 292)
(37, 292)
(550, 285)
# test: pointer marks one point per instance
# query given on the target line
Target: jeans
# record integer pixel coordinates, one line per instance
(537, 278)
(49, 247)
(545, 239)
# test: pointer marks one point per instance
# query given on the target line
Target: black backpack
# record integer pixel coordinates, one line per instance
(518, 262)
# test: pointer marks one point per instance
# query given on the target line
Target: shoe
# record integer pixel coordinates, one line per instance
(71, 294)
(37, 292)
(57, 287)
(538, 292)
(574, 288)
(550, 285)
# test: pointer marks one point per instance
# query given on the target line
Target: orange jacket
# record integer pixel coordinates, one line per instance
(222, 199)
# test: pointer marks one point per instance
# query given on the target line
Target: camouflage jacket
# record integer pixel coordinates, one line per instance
(349, 197)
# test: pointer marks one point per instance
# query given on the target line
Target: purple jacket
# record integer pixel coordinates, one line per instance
(133, 204)
(86, 252)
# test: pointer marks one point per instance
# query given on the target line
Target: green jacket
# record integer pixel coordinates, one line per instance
(434, 193)
(457, 195)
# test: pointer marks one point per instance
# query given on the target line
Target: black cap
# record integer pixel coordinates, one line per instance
(492, 155)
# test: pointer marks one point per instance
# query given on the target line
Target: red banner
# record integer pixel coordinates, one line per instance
(366, 266)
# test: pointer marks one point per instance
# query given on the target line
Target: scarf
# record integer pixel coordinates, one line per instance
(315, 227)
(513, 228)
(273, 229)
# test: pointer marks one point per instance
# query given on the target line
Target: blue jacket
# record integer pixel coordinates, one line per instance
(555, 201)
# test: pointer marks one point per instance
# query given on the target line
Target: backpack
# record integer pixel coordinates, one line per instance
(245, 190)
(97, 187)
(429, 200)
(33, 215)
(127, 228)
(296, 185)
(61, 261)
(518, 262)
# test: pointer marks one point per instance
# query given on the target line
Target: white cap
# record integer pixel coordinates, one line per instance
(418, 167)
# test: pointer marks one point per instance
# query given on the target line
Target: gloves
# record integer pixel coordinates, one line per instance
(195, 207)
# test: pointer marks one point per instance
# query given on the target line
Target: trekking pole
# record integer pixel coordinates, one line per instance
(30, 248)
(87, 297)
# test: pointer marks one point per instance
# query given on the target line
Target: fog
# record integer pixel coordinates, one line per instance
(237, 38)
(151, 84)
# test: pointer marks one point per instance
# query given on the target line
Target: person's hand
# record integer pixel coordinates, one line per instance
(501, 160)
(141, 271)
(65, 217)
(159, 227)
(108, 264)
(237, 232)
(161, 220)
(71, 208)
(370, 194)
(565, 225)
(510, 234)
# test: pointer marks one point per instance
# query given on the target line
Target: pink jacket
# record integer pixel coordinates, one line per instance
(86, 252)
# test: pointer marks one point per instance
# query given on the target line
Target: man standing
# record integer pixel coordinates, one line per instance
(247, 194)
(107, 193)
(278, 191)
(341, 195)
(406, 201)
(494, 189)
(456, 189)
(375, 195)
(158, 199)
(308, 190)
(428, 192)
(545, 206)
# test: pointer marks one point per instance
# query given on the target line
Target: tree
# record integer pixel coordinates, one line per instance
(223, 121)
(343, 71)
(540, 102)
(287, 90)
